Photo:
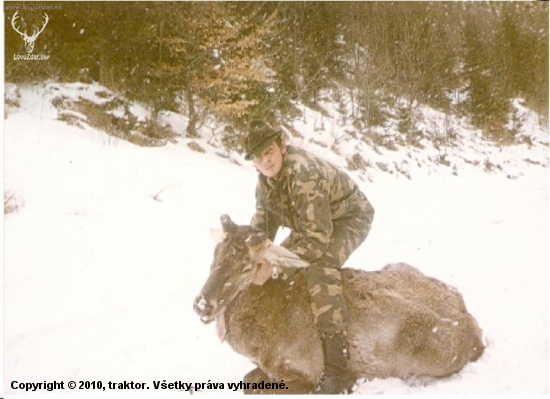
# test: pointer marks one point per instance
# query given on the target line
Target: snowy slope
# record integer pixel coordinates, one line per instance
(110, 245)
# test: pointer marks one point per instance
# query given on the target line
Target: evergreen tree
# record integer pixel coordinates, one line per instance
(239, 60)
(218, 57)
(485, 93)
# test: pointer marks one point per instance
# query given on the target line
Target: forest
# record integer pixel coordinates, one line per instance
(242, 60)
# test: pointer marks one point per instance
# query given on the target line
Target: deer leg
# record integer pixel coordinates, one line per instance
(258, 376)
(255, 376)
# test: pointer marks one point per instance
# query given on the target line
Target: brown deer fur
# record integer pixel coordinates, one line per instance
(401, 323)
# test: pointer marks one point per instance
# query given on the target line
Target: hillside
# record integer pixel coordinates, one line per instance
(431, 142)
(106, 242)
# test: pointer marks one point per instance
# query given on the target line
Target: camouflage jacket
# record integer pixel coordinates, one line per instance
(307, 196)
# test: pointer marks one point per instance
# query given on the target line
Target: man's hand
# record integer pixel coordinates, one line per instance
(264, 272)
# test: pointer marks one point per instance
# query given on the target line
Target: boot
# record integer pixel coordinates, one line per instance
(336, 378)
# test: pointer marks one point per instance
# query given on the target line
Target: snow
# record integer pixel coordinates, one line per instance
(111, 244)
(175, 121)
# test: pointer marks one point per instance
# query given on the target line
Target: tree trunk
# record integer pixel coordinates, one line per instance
(106, 72)
(193, 118)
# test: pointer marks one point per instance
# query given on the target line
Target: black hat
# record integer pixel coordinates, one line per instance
(260, 136)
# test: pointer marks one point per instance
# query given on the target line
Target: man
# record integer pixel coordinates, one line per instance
(329, 218)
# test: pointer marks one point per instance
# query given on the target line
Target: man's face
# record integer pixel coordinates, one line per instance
(270, 161)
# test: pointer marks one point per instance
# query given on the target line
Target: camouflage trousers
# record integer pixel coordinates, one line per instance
(324, 278)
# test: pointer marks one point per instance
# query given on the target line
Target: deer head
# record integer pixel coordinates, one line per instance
(29, 40)
(235, 265)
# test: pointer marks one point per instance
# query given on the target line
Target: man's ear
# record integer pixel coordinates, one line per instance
(283, 147)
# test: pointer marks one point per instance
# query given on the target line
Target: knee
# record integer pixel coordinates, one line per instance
(316, 274)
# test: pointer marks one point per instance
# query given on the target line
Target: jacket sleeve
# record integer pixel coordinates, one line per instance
(261, 219)
(311, 204)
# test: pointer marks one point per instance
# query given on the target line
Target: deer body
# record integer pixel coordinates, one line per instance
(401, 323)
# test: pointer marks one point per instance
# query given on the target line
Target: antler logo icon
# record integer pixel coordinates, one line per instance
(29, 40)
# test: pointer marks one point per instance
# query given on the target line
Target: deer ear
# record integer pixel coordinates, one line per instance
(227, 223)
(255, 239)
(257, 243)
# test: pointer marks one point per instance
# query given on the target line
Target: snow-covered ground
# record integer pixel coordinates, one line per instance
(110, 244)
